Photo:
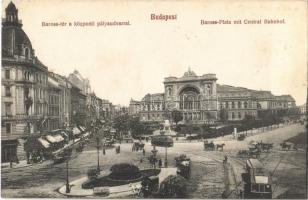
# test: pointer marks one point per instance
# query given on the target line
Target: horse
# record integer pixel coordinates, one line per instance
(220, 146)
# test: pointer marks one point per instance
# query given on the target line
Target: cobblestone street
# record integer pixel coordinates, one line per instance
(207, 178)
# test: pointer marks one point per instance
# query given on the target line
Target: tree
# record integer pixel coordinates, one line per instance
(248, 122)
(121, 123)
(124, 171)
(223, 115)
(176, 116)
(173, 187)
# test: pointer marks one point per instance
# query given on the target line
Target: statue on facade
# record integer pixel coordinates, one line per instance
(169, 90)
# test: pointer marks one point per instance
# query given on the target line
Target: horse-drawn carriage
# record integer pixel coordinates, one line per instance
(286, 146)
(241, 137)
(138, 145)
(251, 152)
(266, 146)
(183, 165)
(209, 146)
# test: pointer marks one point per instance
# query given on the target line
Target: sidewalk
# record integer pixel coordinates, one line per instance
(23, 163)
(114, 192)
(5, 167)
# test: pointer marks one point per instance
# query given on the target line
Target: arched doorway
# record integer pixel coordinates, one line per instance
(189, 98)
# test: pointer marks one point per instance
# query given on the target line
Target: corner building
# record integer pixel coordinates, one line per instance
(24, 88)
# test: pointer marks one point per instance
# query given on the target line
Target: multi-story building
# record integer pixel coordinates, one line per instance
(303, 109)
(82, 83)
(134, 107)
(117, 110)
(94, 105)
(201, 100)
(54, 92)
(64, 101)
(78, 107)
(237, 102)
(24, 97)
(106, 109)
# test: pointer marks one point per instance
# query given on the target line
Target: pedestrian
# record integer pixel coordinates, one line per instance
(241, 194)
(225, 160)
(133, 147)
(143, 151)
(141, 160)
(11, 163)
(104, 151)
(160, 163)
(119, 148)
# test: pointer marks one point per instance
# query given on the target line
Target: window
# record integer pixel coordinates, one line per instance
(233, 116)
(27, 53)
(8, 110)
(245, 104)
(8, 128)
(239, 115)
(7, 91)
(7, 74)
(233, 105)
(227, 104)
(239, 104)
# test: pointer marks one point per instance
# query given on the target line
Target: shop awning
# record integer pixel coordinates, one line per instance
(76, 131)
(81, 128)
(59, 138)
(54, 138)
(44, 143)
(64, 133)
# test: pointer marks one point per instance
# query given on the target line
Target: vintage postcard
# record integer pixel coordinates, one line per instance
(154, 99)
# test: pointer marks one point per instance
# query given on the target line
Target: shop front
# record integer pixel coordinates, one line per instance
(9, 151)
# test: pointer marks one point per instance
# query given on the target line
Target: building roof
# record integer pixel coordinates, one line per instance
(11, 7)
(154, 97)
(263, 94)
(285, 98)
(13, 39)
(229, 88)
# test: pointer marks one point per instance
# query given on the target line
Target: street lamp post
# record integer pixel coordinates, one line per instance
(154, 151)
(166, 160)
(67, 180)
(98, 167)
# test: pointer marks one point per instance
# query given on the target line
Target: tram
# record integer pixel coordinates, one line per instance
(258, 182)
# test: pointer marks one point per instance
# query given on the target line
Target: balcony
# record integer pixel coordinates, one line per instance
(6, 21)
(21, 117)
(8, 99)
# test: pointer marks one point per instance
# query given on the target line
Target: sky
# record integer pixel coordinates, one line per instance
(124, 62)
